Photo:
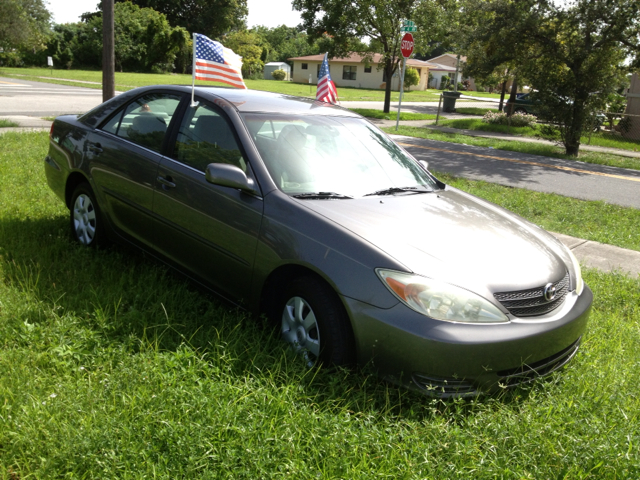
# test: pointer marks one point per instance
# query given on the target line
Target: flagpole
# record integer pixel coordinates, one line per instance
(193, 73)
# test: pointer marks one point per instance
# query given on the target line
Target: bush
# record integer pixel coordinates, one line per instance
(444, 82)
(279, 74)
(411, 77)
(480, 89)
(515, 120)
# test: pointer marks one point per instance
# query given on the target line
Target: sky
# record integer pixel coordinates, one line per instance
(270, 13)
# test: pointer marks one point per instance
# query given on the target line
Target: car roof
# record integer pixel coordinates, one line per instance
(244, 100)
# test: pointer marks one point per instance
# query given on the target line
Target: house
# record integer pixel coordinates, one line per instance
(273, 66)
(446, 65)
(354, 71)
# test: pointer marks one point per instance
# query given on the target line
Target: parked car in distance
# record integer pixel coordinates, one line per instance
(311, 215)
(525, 103)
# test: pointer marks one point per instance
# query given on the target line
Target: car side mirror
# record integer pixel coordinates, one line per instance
(424, 164)
(230, 176)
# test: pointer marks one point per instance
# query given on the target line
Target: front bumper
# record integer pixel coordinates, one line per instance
(454, 359)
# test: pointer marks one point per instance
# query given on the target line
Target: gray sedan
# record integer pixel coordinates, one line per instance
(309, 214)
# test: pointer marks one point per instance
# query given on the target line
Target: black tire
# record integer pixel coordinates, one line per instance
(314, 323)
(85, 220)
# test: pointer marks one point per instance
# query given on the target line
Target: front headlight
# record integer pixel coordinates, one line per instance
(440, 300)
(577, 271)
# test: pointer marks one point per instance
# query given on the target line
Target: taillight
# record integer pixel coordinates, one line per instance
(51, 131)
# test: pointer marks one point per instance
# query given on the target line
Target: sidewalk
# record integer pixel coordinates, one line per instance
(590, 254)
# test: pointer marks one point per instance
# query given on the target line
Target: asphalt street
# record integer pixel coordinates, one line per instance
(23, 97)
(544, 174)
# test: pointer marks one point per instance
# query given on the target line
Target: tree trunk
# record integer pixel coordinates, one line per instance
(388, 67)
(512, 96)
(573, 131)
(504, 90)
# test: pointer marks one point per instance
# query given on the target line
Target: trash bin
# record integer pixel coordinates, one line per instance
(449, 101)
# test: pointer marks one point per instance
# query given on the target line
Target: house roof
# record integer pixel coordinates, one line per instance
(358, 58)
(276, 63)
(438, 68)
(450, 55)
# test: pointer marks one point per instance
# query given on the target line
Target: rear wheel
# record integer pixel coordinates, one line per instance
(315, 324)
(86, 223)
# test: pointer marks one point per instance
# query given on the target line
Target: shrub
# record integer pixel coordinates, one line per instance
(279, 74)
(411, 77)
(444, 82)
(480, 89)
(515, 120)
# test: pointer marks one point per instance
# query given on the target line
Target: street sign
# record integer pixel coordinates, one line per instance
(408, 23)
(408, 26)
(406, 46)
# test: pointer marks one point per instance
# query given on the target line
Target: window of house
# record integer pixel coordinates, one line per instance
(367, 69)
(305, 66)
(349, 72)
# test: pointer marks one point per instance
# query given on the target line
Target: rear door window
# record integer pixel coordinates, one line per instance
(145, 120)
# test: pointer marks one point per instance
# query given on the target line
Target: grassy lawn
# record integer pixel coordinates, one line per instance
(4, 123)
(372, 113)
(600, 139)
(473, 110)
(127, 81)
(112, 367)
(516, 146)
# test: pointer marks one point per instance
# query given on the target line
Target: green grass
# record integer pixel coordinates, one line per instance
(4, 123)
(126, 81)
(112, 367)
(473, 110)
(517, 146)
(600, 139)
(372, 113)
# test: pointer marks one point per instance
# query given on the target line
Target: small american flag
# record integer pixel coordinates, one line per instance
(215, 63)
(326, 88)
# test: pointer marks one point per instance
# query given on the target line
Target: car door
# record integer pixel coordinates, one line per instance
(126, 152)
(210, 230)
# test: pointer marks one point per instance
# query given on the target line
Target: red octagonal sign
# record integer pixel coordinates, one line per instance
(407, 45)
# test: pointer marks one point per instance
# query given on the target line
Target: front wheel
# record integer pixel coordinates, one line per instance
(315, 324)
(86, 224)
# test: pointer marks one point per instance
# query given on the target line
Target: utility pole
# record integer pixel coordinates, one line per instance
(108, 52)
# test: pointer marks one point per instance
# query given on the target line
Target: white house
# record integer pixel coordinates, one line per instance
(354, 71)
(446, 65)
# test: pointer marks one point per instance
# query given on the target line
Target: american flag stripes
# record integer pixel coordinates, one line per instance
(215, 63)
(326, 88)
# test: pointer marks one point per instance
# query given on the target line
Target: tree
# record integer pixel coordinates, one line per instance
(23, 24)
(570, 53)
(249, 46)
(212, 18)
(380, 20)
(144, 40)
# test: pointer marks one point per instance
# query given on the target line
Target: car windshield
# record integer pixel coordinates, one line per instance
(334, 157)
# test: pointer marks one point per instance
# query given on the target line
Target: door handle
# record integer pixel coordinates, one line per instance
(166, 182)
(95, 148)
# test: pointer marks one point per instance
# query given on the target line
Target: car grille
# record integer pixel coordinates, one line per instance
(529, 372)
(444, 387)
(530, 303)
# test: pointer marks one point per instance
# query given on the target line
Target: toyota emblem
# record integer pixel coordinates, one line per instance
(549, 292)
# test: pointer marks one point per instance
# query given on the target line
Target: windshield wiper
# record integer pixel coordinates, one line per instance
(320, 195)
(392, 190)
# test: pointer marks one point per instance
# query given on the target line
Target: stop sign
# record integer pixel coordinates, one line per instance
(406, 47)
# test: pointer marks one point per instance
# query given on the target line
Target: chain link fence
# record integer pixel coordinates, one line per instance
(610, 129)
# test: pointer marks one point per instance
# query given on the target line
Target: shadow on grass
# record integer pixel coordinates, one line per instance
(125, 301)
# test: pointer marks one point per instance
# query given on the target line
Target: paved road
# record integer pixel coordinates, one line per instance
(23, 97)
(544, 174)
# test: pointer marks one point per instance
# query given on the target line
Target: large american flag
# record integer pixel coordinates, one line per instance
(216, 63)
(326, 88)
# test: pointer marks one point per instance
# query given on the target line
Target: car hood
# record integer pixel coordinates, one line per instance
(454, 237)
